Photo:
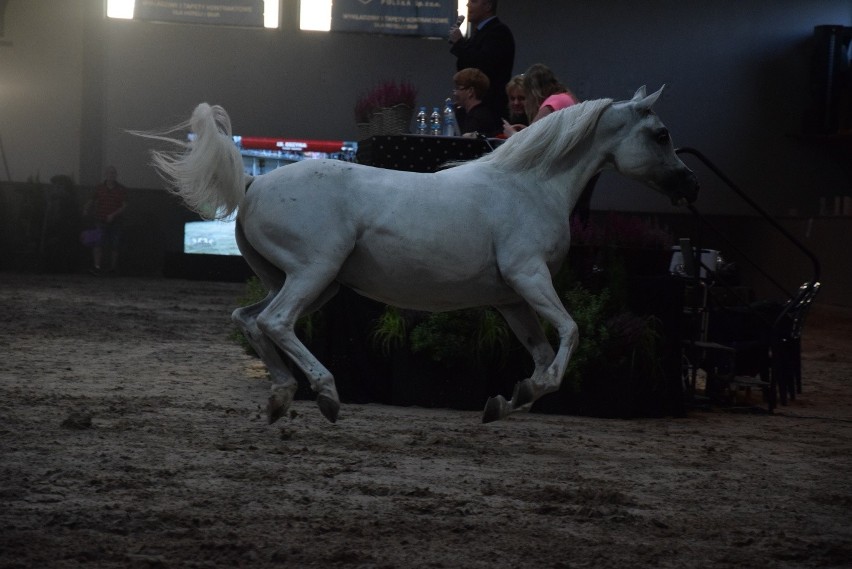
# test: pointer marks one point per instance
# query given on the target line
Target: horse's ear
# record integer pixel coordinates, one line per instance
(640, 94)
(646, 103)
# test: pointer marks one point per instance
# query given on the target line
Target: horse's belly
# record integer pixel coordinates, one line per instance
(426, 286)
(437, 298)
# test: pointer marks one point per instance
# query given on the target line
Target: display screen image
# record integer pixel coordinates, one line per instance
(210, 237)
(260, 155)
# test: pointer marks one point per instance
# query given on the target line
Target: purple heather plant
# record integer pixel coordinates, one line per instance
(620, 230)
(384, 95)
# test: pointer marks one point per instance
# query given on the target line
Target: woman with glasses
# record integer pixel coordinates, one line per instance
(476, 118)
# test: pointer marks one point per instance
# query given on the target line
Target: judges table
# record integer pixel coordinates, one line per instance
(418, 153)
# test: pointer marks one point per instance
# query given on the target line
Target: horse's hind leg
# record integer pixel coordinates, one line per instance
(525, 324)
(277, 320)
(283, 383)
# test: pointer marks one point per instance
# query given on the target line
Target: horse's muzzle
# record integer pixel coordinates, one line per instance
(683, 187)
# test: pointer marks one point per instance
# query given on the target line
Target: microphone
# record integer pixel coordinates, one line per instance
(459, 22)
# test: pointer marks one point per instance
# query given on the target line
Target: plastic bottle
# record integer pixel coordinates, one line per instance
(435, 122)
(420, 126)
(450, 126)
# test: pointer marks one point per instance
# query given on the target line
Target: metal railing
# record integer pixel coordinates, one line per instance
(760, 211)
(786, 327)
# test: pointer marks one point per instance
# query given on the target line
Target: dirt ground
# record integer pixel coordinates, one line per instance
(132, 435)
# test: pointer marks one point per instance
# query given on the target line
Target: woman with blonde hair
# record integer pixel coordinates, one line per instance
(517, 109)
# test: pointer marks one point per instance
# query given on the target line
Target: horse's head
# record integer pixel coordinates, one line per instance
(642, 148)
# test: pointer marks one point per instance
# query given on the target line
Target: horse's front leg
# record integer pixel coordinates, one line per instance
(535, 286)
(524, 322)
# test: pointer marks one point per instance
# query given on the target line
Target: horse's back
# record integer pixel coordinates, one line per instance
(352, 191)
(337, 176)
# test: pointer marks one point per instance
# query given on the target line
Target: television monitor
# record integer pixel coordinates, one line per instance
(260, 155)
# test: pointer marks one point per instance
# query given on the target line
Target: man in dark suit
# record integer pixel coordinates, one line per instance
(490, 48)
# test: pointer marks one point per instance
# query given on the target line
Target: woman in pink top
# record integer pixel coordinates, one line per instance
(544, 95)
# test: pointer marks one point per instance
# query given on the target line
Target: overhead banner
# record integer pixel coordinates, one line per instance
(245, 13)
(426, 18)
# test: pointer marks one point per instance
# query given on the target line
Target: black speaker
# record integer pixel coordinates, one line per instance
(831, 81)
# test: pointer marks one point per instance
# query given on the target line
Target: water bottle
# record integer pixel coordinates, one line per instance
(420, 126)
(435, 122)
(450, 126)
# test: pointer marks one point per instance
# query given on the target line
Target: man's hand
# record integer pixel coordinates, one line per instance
(455, 31)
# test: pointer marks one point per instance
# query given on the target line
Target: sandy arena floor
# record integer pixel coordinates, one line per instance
(132, 435)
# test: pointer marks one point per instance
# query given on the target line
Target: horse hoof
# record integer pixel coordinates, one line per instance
(329, 407)
(496, 408)
(523, 394)
(279, 402)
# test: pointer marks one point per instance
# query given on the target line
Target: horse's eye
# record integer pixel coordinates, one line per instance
(663, 136)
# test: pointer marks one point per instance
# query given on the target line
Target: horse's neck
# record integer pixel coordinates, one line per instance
(573, 172)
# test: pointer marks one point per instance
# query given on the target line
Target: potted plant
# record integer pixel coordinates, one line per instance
(618, 366)
(447, 359)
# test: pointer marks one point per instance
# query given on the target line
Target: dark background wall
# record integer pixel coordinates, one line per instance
(737, 76)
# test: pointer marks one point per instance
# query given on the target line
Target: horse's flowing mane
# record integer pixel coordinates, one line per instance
(536, 147)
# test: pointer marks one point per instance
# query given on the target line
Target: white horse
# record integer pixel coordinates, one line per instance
(492, 231)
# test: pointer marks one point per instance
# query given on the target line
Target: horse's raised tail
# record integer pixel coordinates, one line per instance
(206, 171)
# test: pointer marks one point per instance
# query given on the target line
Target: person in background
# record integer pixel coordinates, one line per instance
(490, 48)
(544, 94)
(470, 87)
(517, 109)
(107, 206)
